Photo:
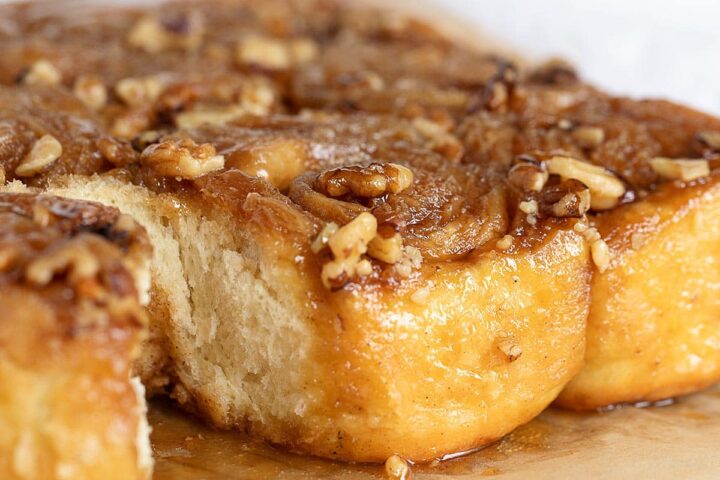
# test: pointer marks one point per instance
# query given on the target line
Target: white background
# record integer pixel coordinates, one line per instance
(660, 48)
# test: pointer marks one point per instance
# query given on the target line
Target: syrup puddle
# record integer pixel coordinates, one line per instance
(656, 441)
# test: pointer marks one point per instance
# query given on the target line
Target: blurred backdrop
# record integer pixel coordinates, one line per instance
(658, 48)
(648, 48)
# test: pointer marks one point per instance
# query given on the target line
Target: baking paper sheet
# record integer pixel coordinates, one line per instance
(679, 441)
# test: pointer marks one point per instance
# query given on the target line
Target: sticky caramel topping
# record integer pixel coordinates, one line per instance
(50, 244)
(311, 115)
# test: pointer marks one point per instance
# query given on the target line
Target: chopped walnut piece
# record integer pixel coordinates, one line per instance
(570, 198)
(255, 100)
(209, 116)
(565, 124)
(41, 215)
(711, 139)
(91, 91)
(44, 152)
(74, 257)
(410, 260)
(322, 239)
(680, 168)
(258, 97)
(369, 181)
(528, 206)
(528, 177)
(600, 254)
(182, 158)
(508, 345)
(605, 188)
(42, 72)
(599, 250)
(590, 234)
(397, 468)
(265, 52)
(138, 91)
(505, 242)
(303, 50)
(182, 31)
(439, 140)
(589, 137)
(387, 247)
(347, 245)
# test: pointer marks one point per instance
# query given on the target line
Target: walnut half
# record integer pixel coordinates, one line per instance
(371, 181)
(182, 158)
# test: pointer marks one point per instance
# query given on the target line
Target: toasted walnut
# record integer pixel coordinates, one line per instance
(498, 91)
(44, 152)
(387, 245)
(359, 79)
(410, 260)
(182, 31)
(322, 239)
(570, 198)
(600, 254)
(91, 91)
(265, 52)
(680, 168)
(371, 181)
(565, 124)
(303, 50)
(528, 206)
(347, 245)
(508, 345)
(711, 139)
(590, 233)
(182, 158)
(209, 116)
(138, 91)
(258, 97)
(606, 189)
(42, 72)
(599, 250)
(397, 468)
(73, 257)
(505, 242)
(439, 140)
(277, 160)
(130, 124)
(589, 137)
(528, 177)
(41, 215)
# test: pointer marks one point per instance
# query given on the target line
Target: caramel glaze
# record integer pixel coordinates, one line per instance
(37, 226)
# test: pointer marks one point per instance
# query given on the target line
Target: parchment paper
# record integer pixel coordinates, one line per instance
(679, 441)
